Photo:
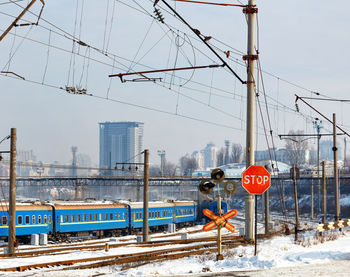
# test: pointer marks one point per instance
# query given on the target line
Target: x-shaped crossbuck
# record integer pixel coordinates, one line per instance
(219, 220)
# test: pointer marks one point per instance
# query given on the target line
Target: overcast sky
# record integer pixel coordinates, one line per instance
(302, 42)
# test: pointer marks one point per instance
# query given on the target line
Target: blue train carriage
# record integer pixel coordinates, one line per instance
(31, 218)
(85, 218)
(185, 213)
(214, 207)
(160, 214)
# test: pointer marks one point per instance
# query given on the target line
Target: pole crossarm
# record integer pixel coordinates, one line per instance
(202, 39)
(330, 121)
(121, 75)
(14, 23)
(212, 3)
(309, 136)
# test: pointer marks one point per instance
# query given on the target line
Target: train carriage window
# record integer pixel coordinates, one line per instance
(45, 219)
(4, 220)
(90, 217)
(95, 217)
(149, 214)
(61, 218)
(141, 215)
(26, 219)
(66, 218)
(84, 217)
(20, 219)
(123, 216)
(78, 217)
(72, 218)
(33, 219)
(39, 219)
(158, 214)
(49, 218)
(137, 215)
(110, 216)
(100, 217)
(106, 216)
(116, 216)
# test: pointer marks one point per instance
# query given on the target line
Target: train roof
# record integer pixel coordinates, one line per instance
(184, 203)
(22, 206)
(68, 205)
(155, 204)
(136, 205)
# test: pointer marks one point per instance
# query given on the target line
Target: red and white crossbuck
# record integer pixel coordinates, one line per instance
(219, 220)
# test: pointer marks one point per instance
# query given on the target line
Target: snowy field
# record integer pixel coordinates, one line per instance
(326, 256)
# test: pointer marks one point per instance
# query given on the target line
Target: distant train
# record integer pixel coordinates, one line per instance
(61, 219)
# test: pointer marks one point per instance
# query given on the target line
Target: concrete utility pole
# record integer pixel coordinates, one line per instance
(335, 160)
(250, 10)
(12, 196)
(145, 195)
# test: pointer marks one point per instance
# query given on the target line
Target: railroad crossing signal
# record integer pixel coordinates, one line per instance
(217, 175)
(206, 186)
(230, 187)
(256, 179)
(219, 220)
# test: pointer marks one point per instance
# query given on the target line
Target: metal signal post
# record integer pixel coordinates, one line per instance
(220, 220)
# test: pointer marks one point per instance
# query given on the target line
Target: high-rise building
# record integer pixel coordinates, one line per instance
(210, 155)
(198, 156)
(120, 142)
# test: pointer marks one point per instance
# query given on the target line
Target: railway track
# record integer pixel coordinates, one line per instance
(200, 246)
(102, 245)
(135, 259)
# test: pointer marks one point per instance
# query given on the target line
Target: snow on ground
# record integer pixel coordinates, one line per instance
(276, 257)
(280, 252)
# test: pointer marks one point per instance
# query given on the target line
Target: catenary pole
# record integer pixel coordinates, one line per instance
(12, 196)
(296, 206)
(251, 56)
(145, 195)
(335, 161)
(324, 186)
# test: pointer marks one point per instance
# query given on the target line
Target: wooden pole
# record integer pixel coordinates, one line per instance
(296, 201)
(145, 195)
(12, 196)
(324, 192)
(335, 161)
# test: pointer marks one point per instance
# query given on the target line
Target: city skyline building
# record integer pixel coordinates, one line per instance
(210, 155)
(120, 142)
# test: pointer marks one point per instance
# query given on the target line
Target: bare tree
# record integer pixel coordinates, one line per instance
(154, 170)
(169, 169)
(236, 153)
(188, 165)
(296, 147)
(220, 157)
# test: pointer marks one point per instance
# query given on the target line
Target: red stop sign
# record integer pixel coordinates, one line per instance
(256, 179)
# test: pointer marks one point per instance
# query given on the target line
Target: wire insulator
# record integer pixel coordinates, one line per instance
(159, 15)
